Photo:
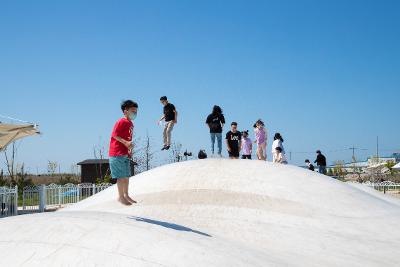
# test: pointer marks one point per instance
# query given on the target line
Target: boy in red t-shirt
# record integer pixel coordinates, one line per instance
(121, 150)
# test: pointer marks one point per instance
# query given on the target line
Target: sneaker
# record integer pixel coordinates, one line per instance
(166, 147)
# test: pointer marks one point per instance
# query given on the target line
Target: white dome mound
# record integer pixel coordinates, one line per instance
(213, 212)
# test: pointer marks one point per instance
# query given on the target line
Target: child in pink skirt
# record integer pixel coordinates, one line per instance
(261, 139)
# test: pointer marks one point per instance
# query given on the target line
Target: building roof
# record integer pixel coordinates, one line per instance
(358, 164)
(95, 161)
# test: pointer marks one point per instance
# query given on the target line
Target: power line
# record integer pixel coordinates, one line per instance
(327, 151)
(394, 150)
(14, 119)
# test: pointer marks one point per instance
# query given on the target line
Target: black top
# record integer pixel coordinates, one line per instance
(233, 139)
(215, 122)
(169, 112)
(311, 167)
(321, 160)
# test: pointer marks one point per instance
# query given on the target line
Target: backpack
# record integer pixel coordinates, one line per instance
(215, 124)
(202, 154)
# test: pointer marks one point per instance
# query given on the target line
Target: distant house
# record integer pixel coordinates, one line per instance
(93, 169)
(396, 156)
(374, 161)
(363, 166)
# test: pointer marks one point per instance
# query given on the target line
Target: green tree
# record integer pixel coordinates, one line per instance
(68, 179)
(52, 167)
(392, 173)
(339, 169)
(105, 180)
(143, 154)
(3, 181)
(10, 161)
(21, 180)
(176, 155)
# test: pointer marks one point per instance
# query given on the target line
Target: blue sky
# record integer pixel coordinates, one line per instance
(325, 74)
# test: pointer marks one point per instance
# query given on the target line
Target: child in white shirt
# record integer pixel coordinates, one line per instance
(280, 156)
(278, 142)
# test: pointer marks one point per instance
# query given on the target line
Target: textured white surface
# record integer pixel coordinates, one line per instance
(214, 212)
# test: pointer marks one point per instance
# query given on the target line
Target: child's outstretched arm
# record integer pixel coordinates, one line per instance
(176, 116)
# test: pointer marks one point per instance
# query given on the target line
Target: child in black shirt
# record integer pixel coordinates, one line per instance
(233, 141)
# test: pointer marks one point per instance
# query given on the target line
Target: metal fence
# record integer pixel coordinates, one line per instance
(386, 187)
(31, 198)
(41, 197)
(8, 201)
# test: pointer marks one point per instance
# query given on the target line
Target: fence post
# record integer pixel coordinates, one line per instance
(59, 195)
(42, 198)
(16, 201)
(23, 199)
(78, 192)
(94, 189)
(1, 203)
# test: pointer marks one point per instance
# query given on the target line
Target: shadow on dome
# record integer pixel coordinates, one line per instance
(172, 226)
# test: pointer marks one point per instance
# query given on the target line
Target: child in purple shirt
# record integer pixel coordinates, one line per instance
(247, 145)
(261, 139)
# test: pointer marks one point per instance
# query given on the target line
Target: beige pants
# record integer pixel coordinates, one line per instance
(167, 132)
(262, 151)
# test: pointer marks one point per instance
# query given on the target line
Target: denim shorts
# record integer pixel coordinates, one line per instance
(120, 167)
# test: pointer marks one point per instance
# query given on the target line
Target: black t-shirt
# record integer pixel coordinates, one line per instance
(321, 160)
(233, 139)
(169, 112)
(311, 167)
(215, 122)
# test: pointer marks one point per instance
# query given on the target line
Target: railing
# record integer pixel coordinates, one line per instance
(8, 201)
(31, 198)
(387, 187)
(42, 197)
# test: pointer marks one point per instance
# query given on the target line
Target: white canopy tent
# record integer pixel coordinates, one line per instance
(396, 167)
(12, 132)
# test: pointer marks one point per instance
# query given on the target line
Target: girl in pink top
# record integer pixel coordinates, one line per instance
(261, 140)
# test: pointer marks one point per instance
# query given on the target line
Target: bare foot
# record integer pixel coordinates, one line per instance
(124, 201)
(130, 199)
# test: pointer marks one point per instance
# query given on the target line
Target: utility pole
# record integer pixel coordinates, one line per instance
(354, 160)
(377, 154)
(353, 148)
(377, 148)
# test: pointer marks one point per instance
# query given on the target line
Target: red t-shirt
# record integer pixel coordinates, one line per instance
(123, 128)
